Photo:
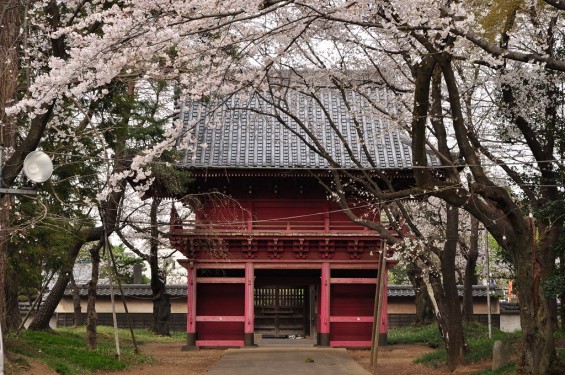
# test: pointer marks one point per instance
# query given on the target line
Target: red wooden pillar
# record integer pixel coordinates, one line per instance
(249, 317)
(324, 328)
(383, 329)
(191, 309)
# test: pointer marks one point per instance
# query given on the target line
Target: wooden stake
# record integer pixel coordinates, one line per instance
(377, 313)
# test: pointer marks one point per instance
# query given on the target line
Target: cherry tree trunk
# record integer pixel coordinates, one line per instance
(9, 70)
(470, 277)
(453, 337)
(424, 308)
(161, 300)
(536, 315)
(442, 289)
(161, 312)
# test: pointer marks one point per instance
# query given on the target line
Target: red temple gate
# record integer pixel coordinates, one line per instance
(281, 266)
(269, 252)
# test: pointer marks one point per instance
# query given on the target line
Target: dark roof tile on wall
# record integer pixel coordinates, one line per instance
(408, 291)
(144, 290)
(136, 290)
(245, 133)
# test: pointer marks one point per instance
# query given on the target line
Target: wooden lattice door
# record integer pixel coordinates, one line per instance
(280, 311)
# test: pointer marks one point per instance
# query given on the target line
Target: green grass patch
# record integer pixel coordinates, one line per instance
(65, 349)
(427, 335)
(476, 336)
(504, 370)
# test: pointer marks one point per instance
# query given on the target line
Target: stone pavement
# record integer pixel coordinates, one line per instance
(287, 360)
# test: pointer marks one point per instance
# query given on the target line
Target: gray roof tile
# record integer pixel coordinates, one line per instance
(243, 132)
(180, 290)
(136, 290)
(408, 291)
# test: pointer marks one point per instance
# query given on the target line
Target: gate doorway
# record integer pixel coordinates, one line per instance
(282, 310)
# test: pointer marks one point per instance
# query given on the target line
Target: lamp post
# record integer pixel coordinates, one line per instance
(37, 168)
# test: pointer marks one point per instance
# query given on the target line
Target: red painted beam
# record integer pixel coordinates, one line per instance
(228, 318)
(354, 280)
(220, 343)
(350, 344)
(214, 264)
(220, 280)
(286, 264)
(299, 265)
(191, 308)
(325, 300)
(249, 325)
(351, 319)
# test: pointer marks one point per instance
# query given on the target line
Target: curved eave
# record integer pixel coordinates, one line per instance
(214, 171)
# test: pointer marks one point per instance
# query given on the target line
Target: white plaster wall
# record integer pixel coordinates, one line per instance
(510, 322)
(178, 305)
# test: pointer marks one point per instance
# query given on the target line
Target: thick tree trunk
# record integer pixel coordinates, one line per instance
(91, 316)
(4, 233)
(454, 340)
(538, 355)
(442, 290)
(470, 277)
(161, 313)
(424, 308)
(562, 296)
(13, 316)
(9, 71)
(161, 300)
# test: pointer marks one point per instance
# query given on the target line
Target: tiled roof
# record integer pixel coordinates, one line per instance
(144, 290)
(408, 291)
(134, 290)
(509, 306)
(243, 132)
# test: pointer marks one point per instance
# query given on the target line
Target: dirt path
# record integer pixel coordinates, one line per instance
(397, 360)
(170, 360)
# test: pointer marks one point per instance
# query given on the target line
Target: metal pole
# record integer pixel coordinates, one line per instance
(488, 286)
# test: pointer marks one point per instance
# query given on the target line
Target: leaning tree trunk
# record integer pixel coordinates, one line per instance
(41, 320)
(470, 277)
(91, 316)
(161, 300)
